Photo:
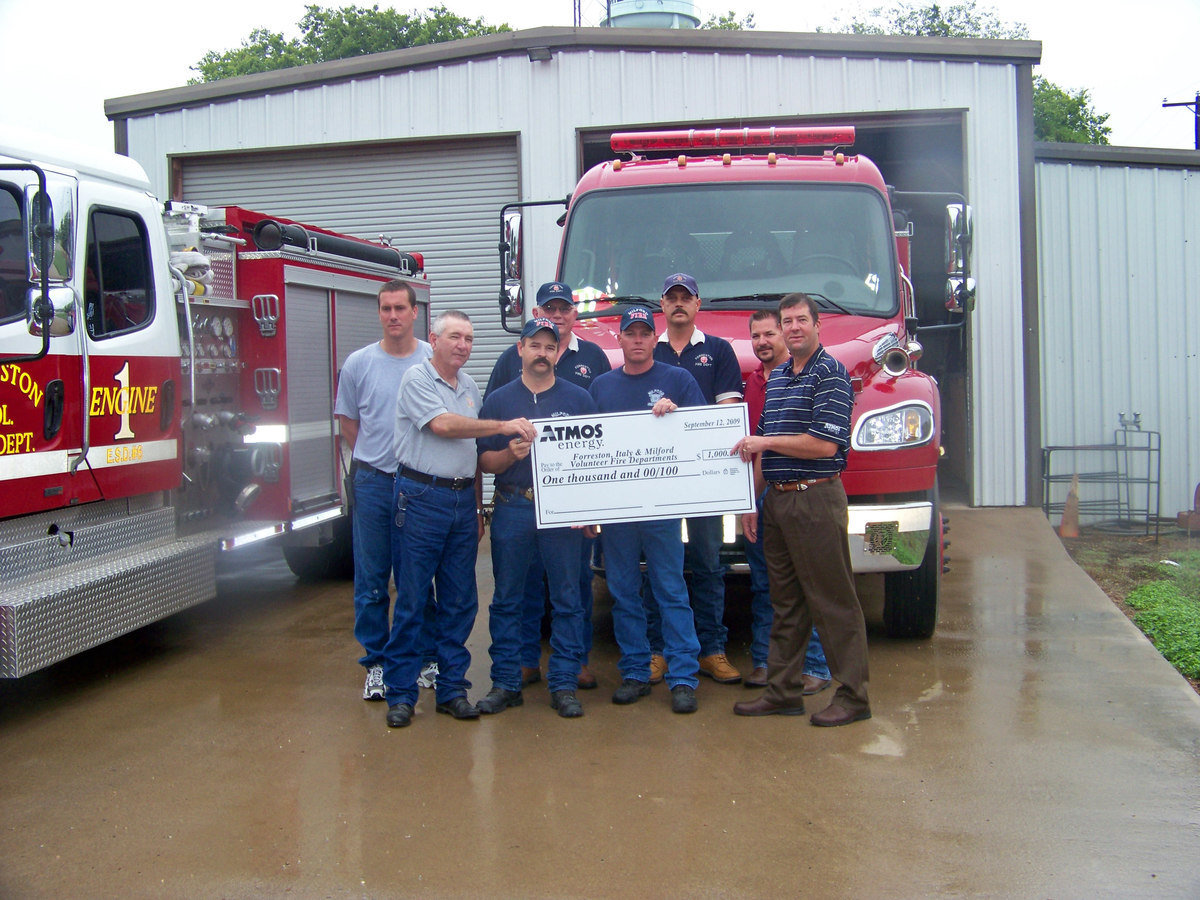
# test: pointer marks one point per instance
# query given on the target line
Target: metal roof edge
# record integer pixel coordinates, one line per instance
(1105, 154)
(572, 39)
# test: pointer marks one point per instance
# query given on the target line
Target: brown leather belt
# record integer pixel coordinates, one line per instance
(803, 485)
(455, 484)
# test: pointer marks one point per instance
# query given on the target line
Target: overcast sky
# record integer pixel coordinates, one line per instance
(60, 59)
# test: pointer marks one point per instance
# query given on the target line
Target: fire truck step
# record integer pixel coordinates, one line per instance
(49, 619)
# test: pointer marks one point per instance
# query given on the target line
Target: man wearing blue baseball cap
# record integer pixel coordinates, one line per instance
(642, 383)
(714, 365)
(516, 539)
(579, 362)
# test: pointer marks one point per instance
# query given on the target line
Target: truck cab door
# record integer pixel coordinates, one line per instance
(129, 421)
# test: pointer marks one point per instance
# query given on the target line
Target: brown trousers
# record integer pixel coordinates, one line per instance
(808, 566)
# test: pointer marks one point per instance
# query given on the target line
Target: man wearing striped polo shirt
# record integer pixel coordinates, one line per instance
(799, 453)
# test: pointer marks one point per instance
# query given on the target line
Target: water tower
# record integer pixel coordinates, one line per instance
(651, 14)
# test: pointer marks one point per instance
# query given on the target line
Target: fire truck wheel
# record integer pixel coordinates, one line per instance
(334, 559)
(910, 599)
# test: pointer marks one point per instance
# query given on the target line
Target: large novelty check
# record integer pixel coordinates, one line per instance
(631, 466)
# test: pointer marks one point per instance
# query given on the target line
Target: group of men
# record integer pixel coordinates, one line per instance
(442, 435)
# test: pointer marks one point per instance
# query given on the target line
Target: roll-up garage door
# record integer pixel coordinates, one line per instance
(441, 199)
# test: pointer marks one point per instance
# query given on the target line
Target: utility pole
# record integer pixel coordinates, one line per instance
(1194, 106)
(578, 18)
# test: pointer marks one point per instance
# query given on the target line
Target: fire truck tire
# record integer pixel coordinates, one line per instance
(910, 599)
(331, 560)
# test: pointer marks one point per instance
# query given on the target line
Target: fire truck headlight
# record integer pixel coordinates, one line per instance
(907, 425)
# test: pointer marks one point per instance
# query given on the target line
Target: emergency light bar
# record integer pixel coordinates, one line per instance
(694, 138)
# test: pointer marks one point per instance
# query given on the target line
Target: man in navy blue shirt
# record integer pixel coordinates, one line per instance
(641, 384)
(714, 365)
(579, 362)
(516, 539)
(799, 453)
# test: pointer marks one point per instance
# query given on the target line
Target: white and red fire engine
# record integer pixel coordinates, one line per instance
(166, 394)
(751, 225)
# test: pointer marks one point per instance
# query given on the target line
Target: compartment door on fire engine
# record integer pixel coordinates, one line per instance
(312, 468)
(133, 366)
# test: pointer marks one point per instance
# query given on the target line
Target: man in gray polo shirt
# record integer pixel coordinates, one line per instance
(438, 518)
(366, 412)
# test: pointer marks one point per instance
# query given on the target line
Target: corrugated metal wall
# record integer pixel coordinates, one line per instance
(547, 103)
(1119, 295)
(442, 200)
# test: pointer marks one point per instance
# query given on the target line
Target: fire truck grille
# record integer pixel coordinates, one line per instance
(881, 537)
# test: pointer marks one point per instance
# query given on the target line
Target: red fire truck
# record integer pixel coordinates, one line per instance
(753, 221)
(166, 394)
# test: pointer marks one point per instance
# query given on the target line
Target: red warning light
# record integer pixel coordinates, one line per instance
(701, 138)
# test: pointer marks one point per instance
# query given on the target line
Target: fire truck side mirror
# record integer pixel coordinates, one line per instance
(960, 286)
(960, 230)
(511, 295)
(41, 215)
(58, 308)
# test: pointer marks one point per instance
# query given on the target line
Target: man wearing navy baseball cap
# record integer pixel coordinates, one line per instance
(642, 383)
(516, 539)
(578, 362)
(714, 365)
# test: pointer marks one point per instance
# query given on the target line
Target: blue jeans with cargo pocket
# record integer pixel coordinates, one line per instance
(439, 541)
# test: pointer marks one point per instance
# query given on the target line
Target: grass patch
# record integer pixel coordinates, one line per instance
(1156, 584)
(1172, 622)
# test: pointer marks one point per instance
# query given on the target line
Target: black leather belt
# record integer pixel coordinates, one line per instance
(455, 484)
(359, 464)
(802, 485)
(509, 493)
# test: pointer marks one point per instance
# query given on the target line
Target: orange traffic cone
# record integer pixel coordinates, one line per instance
(1069, 526)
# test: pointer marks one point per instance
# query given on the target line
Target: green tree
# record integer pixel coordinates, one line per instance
(964, 20)
(327, 34)
(1058, 114)
(730, 22)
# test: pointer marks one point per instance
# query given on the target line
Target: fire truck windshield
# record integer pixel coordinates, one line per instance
(745, 244)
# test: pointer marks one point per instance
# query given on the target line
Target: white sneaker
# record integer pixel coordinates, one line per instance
(428, 676)
(373, 689)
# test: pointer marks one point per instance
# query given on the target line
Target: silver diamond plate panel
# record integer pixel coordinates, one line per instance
(24, 528)
(85, 606)
(76, 543)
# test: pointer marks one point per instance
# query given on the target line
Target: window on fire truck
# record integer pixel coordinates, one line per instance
(737, 240)
(118, 279)
(13, 256)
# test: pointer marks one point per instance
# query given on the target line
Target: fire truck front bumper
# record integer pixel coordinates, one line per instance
(889, 537)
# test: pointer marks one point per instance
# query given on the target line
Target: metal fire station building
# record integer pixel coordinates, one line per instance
(1087, 258)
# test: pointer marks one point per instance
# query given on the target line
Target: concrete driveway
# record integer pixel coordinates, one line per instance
(1038, 746)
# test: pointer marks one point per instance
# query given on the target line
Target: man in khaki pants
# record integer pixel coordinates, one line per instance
(799, 453)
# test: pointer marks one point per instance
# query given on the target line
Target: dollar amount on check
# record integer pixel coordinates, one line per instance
(625, 467)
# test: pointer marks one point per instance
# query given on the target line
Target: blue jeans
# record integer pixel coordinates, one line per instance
(624, 545)
(534, 606)
(761, 612)
(375, 548)
(516, 542)
(439, 540)
(702, 556)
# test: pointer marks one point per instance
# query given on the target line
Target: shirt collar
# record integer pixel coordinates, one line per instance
(791, 362)
(697, 337)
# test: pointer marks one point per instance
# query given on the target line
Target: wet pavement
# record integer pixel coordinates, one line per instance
(1037, 746)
